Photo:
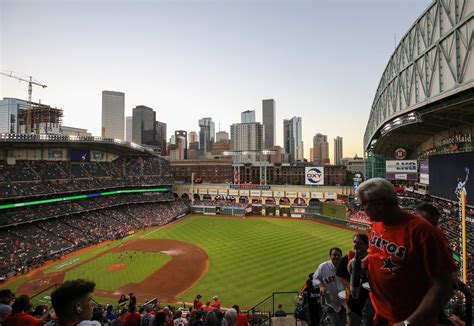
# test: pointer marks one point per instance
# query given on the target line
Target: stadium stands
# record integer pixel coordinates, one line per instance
(29, 245)
(42, 177)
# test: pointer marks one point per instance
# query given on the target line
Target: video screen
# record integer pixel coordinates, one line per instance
(78, 155)
(450, 173)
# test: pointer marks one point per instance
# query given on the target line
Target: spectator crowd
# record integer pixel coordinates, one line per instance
(58, 232)
(27, 178)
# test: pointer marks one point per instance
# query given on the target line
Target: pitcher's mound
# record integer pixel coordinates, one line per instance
(115, 267)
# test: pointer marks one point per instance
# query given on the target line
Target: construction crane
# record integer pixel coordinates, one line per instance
(30, 92)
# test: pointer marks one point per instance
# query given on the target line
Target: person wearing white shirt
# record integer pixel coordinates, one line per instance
(329, 285)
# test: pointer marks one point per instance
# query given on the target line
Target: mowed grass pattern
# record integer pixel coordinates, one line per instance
(136, 270)
(252, 258)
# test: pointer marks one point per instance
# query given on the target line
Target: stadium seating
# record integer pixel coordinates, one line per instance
(41, 177)
(60, 231)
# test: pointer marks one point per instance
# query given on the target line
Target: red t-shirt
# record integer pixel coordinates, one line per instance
(132, 319)
(217, 304)
(241, 320)
(402, 260)
(21, 319)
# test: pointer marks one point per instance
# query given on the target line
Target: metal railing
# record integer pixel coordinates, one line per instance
(262, 312)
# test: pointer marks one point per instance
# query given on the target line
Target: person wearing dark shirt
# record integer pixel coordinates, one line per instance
(133, 300)
(354, 305)
(280, 312)
(311, 297)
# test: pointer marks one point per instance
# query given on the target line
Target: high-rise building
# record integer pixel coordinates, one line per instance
(337, 150)
(321, 149)
(206, 135)
(268, 119)
(247, 116)
(222, 135)
(193, 137)
(293, 143)
(128, 128)
(160, 136)
(354, 164)
(44, 118)
(143, 132)
(247, 137)
(113, 114)
(9, 110)
(181, 139)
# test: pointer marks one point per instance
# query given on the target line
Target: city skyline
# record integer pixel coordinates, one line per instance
(283, 51)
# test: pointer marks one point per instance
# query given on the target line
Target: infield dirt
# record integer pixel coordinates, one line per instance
(187, 265)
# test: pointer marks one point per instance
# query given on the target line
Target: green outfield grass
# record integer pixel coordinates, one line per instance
(253, 257)
(138, 267)
(249, 258)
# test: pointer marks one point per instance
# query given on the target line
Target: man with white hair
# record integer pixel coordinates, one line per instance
(409, 264)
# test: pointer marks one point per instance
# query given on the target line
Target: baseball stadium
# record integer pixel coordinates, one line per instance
(110, 211)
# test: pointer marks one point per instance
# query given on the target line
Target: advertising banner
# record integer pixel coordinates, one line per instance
(291, 194)
(233, 192)
(401, 176)
(401, 166)
(278, 194)
(318, 195)
(330, 195)
(402, 170)
(304, 194)
(266, 193)
(222, 191)
(424, 167)
(314, 175)
(425, 179)
(55, 153)
(212, 191)
(202, 191)
(255, 193)
(244, 192)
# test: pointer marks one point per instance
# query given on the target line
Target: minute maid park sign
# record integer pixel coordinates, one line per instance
(456, 139)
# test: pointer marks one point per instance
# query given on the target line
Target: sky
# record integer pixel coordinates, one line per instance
(320, 60)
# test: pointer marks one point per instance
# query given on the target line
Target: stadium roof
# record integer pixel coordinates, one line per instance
(452, 113)
(116, 146)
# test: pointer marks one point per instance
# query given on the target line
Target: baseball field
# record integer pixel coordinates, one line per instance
(242, 260)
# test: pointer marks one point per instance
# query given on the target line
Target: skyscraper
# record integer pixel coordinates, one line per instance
(321, 149)
(9, 112)
(113, 114)
(143, 132)
(247, 137)
(128, 128)
(193, 137)
(181, 139)
(222, 135)
(292, 139)
(160, 136)
(268, 119)
(247, 116)
(206, 135)
(337, 150)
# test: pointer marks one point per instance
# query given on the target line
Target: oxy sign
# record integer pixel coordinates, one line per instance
(314, 175)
